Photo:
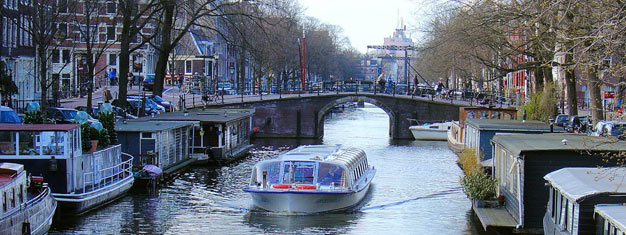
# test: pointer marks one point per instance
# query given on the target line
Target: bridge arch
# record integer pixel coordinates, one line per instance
(354, 98)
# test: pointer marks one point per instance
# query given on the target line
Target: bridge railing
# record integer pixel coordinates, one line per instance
(246, 93)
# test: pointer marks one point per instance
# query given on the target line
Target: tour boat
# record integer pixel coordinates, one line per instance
(26, 209)
(79, 181)
(431, 131)
(311, 179)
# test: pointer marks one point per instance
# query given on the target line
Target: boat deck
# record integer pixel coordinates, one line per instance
(495, 217)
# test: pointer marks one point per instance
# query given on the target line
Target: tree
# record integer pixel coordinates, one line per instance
(7, 86)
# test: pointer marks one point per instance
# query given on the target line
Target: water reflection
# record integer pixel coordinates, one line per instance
(333, 223)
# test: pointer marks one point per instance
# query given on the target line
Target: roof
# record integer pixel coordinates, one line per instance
(150, 126)
(8, 171)
(578, 183)
(38, 127)
(518, 143)
(209, 115)
(347, 156)
(615, 213)
(509, 125)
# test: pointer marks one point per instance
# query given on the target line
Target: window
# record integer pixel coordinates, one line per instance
(4, 31)
(112, 59)
(147, 135)
(55, 56)
(111, 33)
(66, 56)
(88, 33)
(61, 31)
(111, 7)
(188, 67)
(62, 6)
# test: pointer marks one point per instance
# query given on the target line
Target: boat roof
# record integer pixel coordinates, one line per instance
(578, 183)
(150, 126)
(8, 171)
(518, 143)
(208, 115)
(38, 127)
(616, 213)
(347, 156)
(509, 125)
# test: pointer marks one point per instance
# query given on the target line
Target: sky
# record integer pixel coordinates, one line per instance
(364, 22)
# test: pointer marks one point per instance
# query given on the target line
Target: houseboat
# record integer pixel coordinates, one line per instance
(431, 131)
(26, 209)
(610, 219)
(522, 160)
(575, 192)
(78, 181)
(479, 132)
(219, 135)
(162, 144)
(311, 179)
(456, 135)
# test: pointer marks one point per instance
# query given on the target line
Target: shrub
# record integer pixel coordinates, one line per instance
(478, 185)
(467, 160)
(108, 123)
(542, 106)
(34, 118)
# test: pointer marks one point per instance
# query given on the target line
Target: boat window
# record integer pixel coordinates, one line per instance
(27, 143)
(7, 143)
(21, 193)
(13, 197)
(298, 172)
(508, 116)
(4, 201)
(495, 115)
(51, 143)
(484, 115)
(332, 174)
(470, 115)
(272, 170)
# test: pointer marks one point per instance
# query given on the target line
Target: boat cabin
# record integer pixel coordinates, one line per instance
(224, 132)
(312, 167)
(160, 143)
(520, 161)
(610, 219)
(574, 192)
(456, 136)
(479, 132)
(54, 152)
(13, 188)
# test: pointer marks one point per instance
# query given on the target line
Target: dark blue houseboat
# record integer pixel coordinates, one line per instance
(522, 160)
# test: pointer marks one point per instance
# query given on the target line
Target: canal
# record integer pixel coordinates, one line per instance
(416, 191)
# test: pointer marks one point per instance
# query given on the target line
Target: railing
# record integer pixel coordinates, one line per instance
(112, 174)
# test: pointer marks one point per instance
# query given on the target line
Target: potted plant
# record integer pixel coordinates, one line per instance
(480, 188)
(89, 137)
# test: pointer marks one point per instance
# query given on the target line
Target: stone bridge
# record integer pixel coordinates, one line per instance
(303, 117)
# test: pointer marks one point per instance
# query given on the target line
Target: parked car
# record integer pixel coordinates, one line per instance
(8, 115)
(561, 120)
(160, 101)
(578, 124)
(149, 102)
(120, 113)
(148, 82)
(65, 115)
(485, 100)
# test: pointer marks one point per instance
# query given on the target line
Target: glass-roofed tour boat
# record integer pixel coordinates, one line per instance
(311, 179)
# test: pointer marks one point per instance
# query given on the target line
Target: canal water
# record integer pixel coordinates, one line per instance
(416, 191)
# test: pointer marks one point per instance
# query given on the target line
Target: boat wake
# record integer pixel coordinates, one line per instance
(432, 195)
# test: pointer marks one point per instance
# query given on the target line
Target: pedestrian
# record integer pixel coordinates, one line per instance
(180, 81)
(112, 74)
(131, 80)
(107, 95)
(415, 85)
(439, 88)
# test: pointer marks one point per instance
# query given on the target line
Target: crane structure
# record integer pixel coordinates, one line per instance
(406, 58)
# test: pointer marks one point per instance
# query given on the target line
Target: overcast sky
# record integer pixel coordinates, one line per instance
(364, 22)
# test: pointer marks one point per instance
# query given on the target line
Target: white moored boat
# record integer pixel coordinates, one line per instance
(431, 131)
(311, 179)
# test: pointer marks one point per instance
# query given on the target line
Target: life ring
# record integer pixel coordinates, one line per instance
(306, 186)
(281, 186)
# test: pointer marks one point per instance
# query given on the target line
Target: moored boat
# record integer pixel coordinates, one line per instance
(26, 209)
(431, 131)
(79, 181)
(311, 179)
(456, 135)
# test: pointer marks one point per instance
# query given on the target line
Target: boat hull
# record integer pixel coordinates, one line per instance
(303, 201)
(426, 134)
(38, 213)
(78, 204)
